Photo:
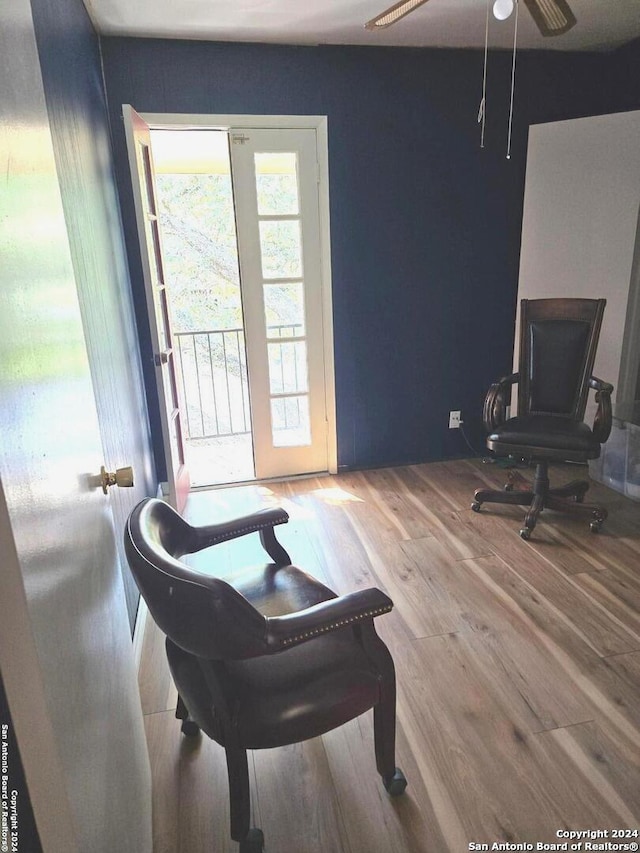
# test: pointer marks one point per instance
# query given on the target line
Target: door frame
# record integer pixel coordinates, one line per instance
(227, 122)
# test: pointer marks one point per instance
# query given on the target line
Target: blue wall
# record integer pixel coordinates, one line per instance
(425, 226)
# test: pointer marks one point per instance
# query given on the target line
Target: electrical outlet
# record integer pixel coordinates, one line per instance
(454, 420)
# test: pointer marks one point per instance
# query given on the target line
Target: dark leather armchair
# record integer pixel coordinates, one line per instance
(263, 658)
(558, 341)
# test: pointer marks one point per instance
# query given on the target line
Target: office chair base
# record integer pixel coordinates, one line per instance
(540, 496)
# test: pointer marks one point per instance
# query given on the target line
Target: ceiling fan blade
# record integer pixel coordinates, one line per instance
(393, 14)
(552, 17)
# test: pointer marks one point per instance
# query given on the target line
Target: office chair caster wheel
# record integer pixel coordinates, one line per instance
(525, 534)
(508, 487)
(396, 784)
(594, 526)
(254, 842)
(189, 728)
(475, 506)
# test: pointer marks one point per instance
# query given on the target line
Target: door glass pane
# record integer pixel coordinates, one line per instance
(287, 367)
(277, 184)
(284, 310)
(281, 248)
(290, 426)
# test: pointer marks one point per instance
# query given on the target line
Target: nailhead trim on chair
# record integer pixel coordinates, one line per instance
(252, 528)
(325, 628)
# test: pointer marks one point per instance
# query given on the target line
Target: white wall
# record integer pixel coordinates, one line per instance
(582, 197)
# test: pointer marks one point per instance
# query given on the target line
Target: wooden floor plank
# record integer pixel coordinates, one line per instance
(300, 807)
(402, 823)
(574, 604)
(617, 590)
(605, 770)
(486, 759)
(518, 671)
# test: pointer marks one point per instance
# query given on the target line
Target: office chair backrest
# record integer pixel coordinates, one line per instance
(558, 341)
(202, 614)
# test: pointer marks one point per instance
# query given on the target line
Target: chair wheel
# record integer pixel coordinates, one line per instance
(254, 842)
(525, 533)
(594, 526)
(475, 506)
(508, 487)
(189, 728)
(396, 784)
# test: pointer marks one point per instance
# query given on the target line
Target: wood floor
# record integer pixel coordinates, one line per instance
(518, 668)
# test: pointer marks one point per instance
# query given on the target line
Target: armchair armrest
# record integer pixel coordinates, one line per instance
(495, 405)
(292, 629)
(603, 417)
(263, 521)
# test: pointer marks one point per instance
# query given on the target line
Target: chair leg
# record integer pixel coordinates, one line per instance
(384, 713)
(597, 514)
(384, 733)
(530, 519)
(576, 489)
(189, 727)
(181, 709)
(520, 497)
(239, 800)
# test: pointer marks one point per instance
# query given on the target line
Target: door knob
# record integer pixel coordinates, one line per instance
(122, 477)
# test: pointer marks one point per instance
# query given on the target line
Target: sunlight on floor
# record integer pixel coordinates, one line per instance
(336, 495)
(214, 461)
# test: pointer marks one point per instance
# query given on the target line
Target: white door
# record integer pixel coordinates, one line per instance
(65, 649)
(282, 255)
(158, 307)
(275, 180)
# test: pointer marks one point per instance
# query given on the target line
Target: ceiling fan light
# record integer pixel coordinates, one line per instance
(502, 9)
(390, 16)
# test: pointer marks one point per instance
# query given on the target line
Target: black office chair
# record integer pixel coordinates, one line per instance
(265, 657)
(558, 341)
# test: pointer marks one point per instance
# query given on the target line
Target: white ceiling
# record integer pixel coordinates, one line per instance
(602, 24)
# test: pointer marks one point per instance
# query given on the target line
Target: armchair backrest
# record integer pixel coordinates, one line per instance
(558, 341)
(202, 614)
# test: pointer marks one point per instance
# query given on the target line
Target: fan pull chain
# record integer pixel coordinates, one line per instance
(482, 112)
(513, 80)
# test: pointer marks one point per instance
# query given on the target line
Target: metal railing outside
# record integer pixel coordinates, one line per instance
(214, 379)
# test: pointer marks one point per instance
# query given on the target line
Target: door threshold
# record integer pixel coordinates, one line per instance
(256, 482)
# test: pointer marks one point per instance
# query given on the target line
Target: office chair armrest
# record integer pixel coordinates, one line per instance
(263, 521)
(603, 419)
(495, 405)
(295, 628)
